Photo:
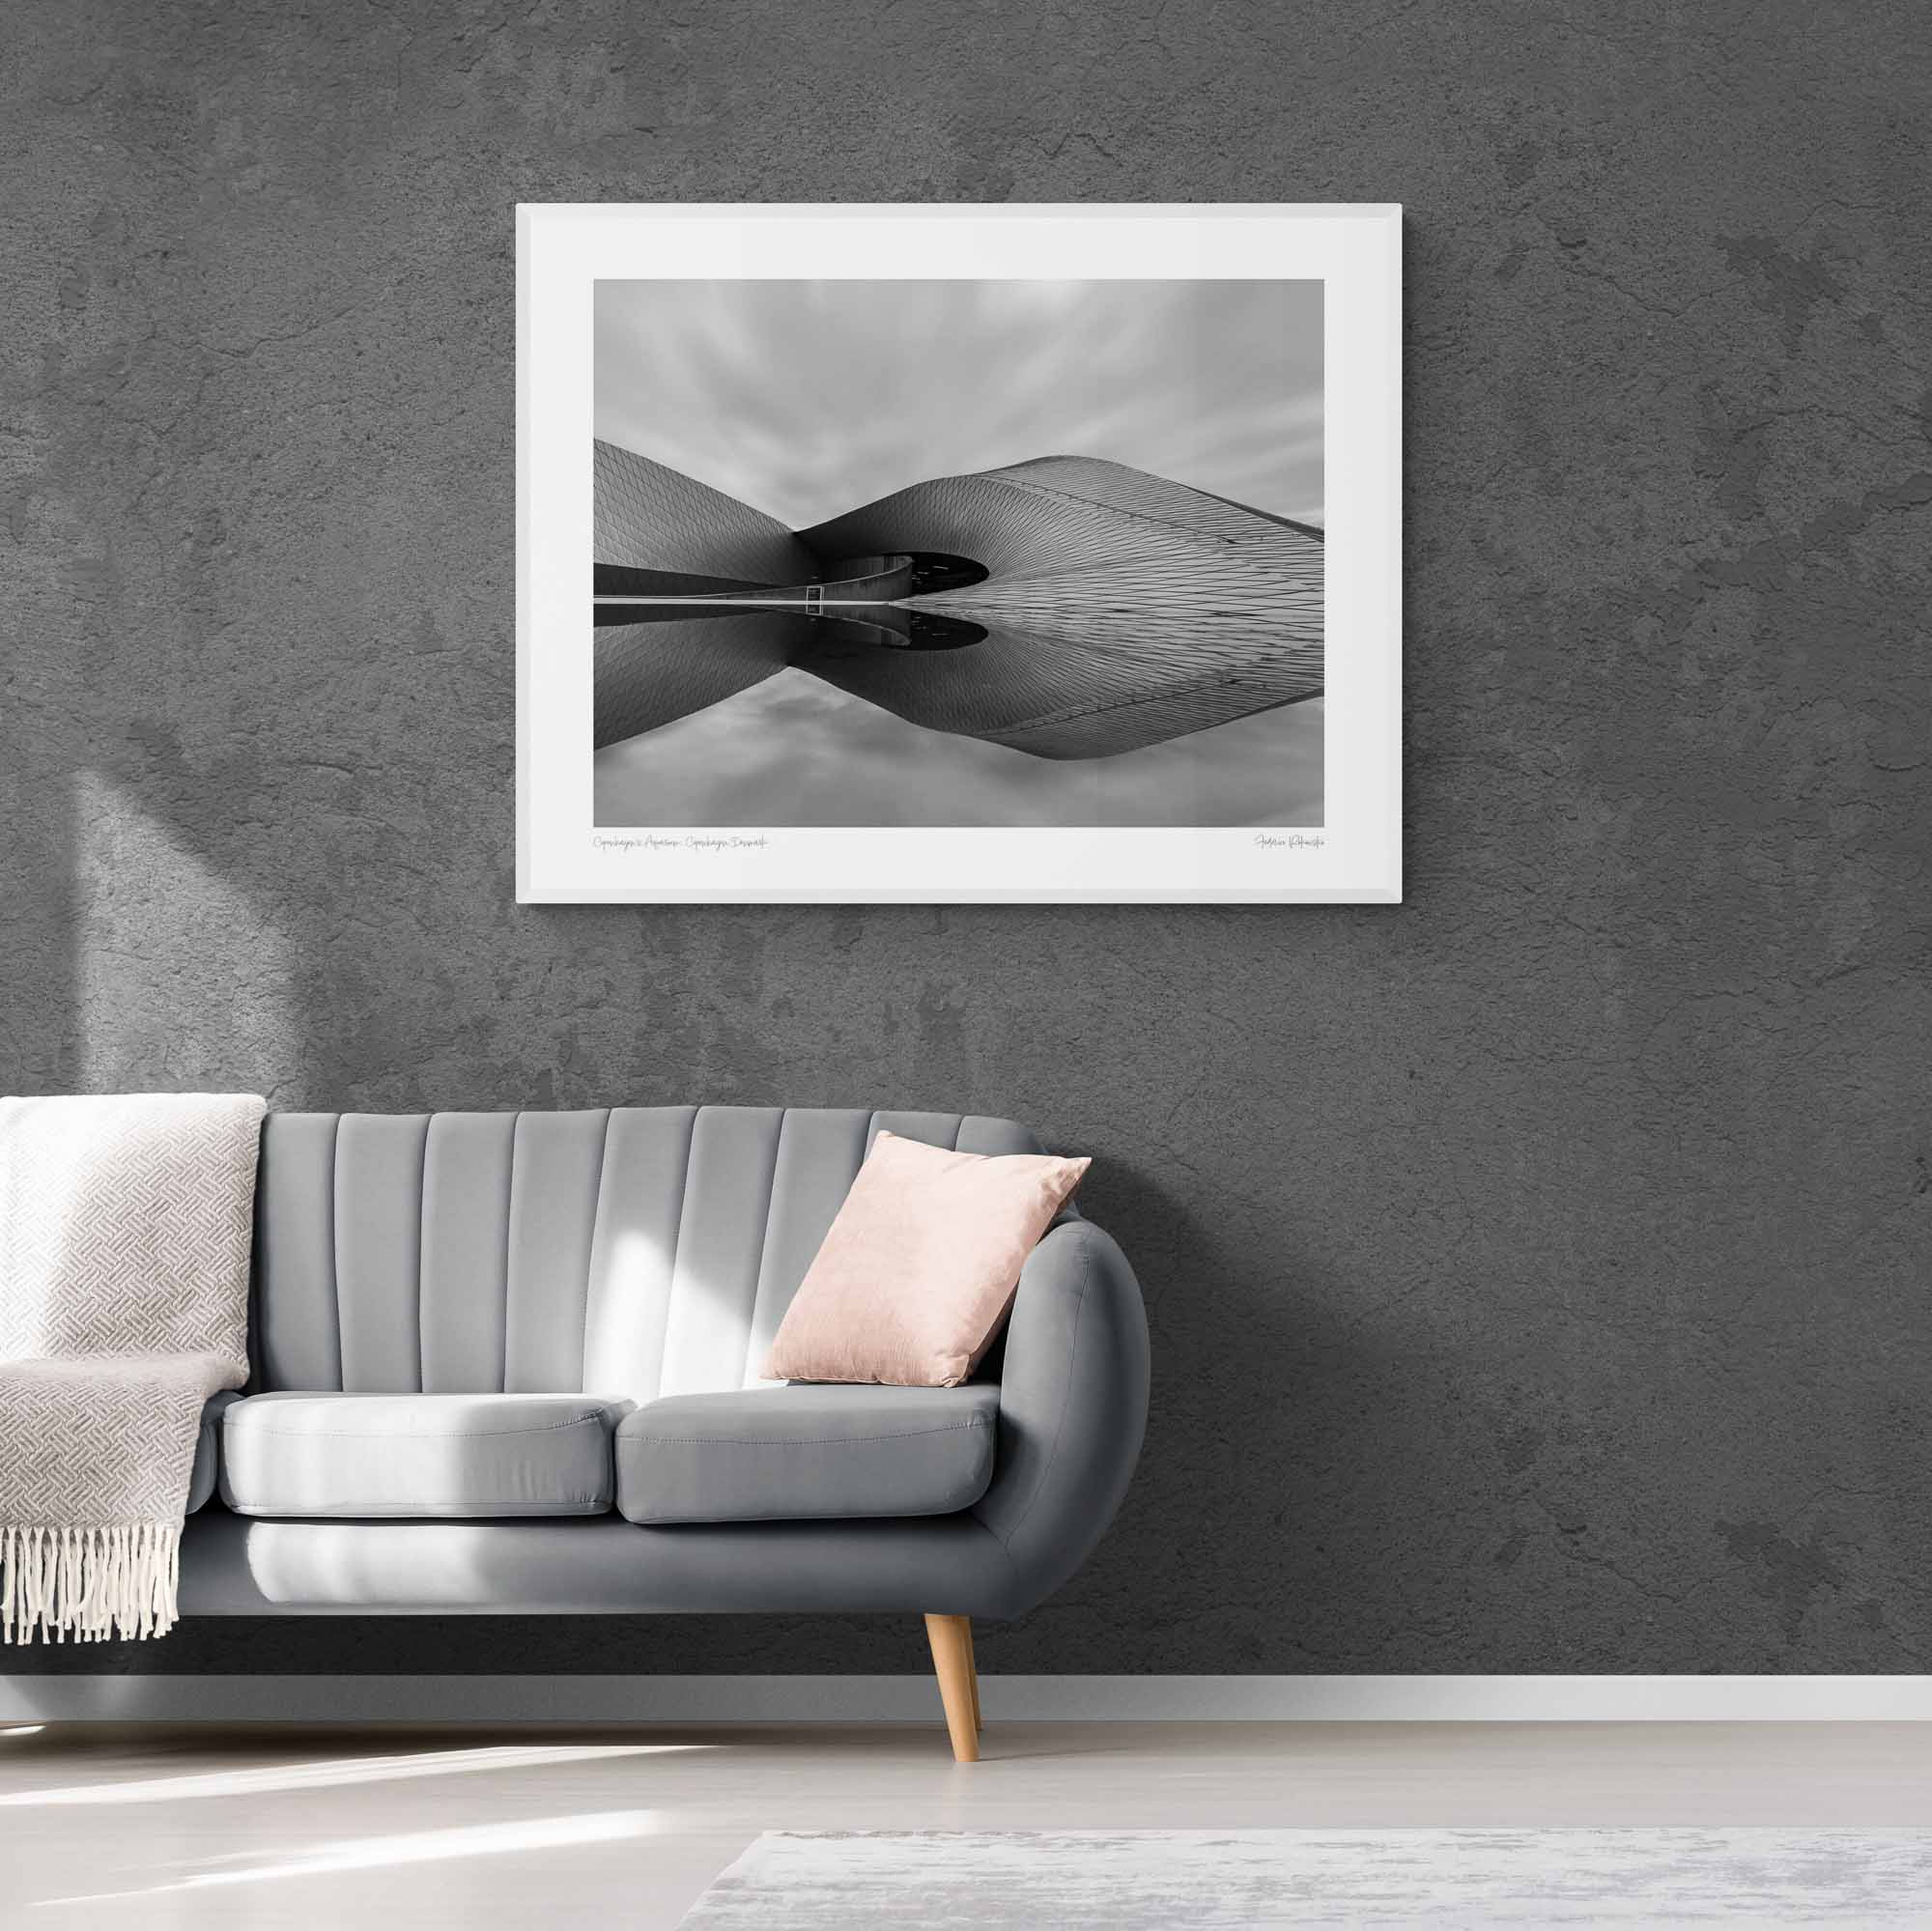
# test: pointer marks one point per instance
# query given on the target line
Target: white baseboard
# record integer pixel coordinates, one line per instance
(901, 1699)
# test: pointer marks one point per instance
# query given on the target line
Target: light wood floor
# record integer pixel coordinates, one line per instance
(273, 1826)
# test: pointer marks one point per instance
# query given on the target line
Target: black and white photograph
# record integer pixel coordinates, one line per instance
(958, 554)
(992, 553)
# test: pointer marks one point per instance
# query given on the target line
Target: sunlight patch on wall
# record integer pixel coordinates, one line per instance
(161, 932)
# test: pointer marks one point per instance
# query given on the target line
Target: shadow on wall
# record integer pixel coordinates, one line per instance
(1252, 1343)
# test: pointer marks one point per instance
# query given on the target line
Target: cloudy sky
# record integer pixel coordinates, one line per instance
(806, 399)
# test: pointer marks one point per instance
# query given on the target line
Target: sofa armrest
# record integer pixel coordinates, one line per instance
(1074, 1402)
(208, 1449)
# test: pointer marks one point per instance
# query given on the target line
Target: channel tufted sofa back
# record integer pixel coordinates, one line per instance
(628, 1252)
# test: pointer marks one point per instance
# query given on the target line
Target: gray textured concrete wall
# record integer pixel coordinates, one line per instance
(1539, 1269)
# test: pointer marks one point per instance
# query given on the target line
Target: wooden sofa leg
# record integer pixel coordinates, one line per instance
(951, 1640)
(973, 1671)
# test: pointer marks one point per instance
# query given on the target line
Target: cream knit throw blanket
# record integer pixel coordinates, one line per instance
(125, 1227)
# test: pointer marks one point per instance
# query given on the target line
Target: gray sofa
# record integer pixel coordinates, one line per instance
(508, 1364)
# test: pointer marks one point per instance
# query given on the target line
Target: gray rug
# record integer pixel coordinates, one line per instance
(1151, 1880)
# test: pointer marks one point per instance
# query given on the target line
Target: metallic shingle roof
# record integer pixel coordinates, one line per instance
(1121, 609)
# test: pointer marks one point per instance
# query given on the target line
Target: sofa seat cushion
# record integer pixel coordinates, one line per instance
(445, 1457)
(804, 1453)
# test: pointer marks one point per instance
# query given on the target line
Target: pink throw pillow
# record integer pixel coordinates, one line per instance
(920, 1268)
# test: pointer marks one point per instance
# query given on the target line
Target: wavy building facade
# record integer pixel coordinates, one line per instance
(1067, 607)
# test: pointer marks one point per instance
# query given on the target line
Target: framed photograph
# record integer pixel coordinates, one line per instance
(958, 554)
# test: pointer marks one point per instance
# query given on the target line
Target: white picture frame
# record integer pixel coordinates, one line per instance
(1353, 853)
